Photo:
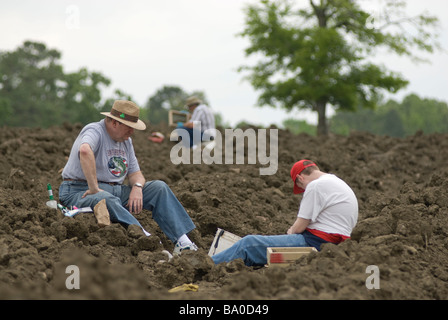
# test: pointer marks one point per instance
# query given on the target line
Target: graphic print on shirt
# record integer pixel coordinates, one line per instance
(117, 164)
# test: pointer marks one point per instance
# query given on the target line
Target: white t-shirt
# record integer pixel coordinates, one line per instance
(330, 204)
(114, 160)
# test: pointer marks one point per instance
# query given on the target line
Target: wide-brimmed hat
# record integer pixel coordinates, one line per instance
(192, 100)
(296, 169)
(126, 112)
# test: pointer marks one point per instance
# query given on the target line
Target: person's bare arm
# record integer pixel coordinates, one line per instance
(87, 159)
(188, 124)
(135, 201)
(299, 226)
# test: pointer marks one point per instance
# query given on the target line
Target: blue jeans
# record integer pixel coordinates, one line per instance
(192, 133)
(167, 211)
(253, 248)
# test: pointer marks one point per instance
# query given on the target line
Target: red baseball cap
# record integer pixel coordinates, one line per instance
(296, 169)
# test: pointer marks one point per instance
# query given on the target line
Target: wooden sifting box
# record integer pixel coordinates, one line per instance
(284, 256)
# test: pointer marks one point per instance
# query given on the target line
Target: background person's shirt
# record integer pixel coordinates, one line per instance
(203, 114)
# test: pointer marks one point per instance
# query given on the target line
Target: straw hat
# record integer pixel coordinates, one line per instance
(126, 112)
(192, 100)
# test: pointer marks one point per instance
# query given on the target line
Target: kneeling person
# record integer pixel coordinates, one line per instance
(328, 213)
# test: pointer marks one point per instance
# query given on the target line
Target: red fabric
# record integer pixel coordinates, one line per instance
(156, 139)
(330, 237)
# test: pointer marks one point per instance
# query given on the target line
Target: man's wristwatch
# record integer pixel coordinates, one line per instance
(138, 185)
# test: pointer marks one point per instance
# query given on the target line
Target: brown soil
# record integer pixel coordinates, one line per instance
(401, 186)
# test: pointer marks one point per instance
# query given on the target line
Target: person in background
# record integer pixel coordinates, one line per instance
(101, 158)
(200, 114)
(328, 213)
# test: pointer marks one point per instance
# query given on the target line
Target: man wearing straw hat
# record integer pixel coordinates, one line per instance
(101, 158)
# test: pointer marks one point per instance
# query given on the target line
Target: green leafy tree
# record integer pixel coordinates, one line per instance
(83, 95)
(319, 55)
(31, 85)
(166, 98)
(299, 126)
(390, 124)
(35, 91)
(417, 114)
(243, 124)
(5, 111)
(379, 121)
(220, 122)
(117, 95)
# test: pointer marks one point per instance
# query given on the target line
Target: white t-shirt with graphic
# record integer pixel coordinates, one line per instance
(114, 160)
(330, 204)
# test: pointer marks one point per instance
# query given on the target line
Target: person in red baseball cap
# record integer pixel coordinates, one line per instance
(328, 213)
(297, 169)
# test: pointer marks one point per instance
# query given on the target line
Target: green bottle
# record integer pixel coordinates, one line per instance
(50, 192)
(51, 203)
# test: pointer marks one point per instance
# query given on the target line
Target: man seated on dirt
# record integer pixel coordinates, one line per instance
(101, 158)
(328, 213)
(200, 113)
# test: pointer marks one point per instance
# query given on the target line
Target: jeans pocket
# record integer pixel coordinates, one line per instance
(71, 191)
(64, 191)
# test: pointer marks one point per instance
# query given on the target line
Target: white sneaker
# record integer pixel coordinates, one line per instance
(178, 248)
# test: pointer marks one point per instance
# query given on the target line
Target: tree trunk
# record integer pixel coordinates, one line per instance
(322, 127)
(321, 106)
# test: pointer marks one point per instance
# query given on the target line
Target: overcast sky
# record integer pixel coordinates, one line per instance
(144, 45)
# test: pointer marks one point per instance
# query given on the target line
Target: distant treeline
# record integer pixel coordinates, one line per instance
(36, 92)
(395, 119)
